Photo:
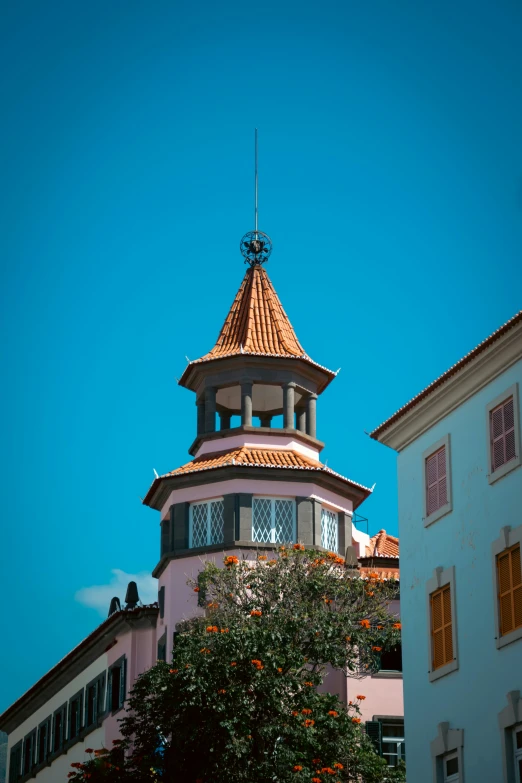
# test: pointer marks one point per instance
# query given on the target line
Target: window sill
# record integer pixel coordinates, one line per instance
(504, 470)
(436, 674)
(438, 514)
(514, 636)
(387, 675)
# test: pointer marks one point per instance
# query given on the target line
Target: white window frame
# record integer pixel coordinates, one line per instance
(507, 467)
(517, 753)
(208, 504)
(448, 506)
(455, 778)
(273, 499)
(325, 510)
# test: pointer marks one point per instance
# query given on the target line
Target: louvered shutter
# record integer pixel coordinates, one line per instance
(123, 679)
(108, 699)
(509, 429)
(516, 575)
(504, 592)
(502, 423)
(432, 492)
(441, 470)
(448, 625)
(437, 630)
(373, 729)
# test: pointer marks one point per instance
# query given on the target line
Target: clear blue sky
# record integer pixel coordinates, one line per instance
(390, 182)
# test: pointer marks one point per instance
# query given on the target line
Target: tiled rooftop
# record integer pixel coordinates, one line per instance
(383, 545)
(257, 325)
(255, 458)
(453, 370)
(382, 573)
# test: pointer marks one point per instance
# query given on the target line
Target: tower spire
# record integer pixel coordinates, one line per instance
(255, 246)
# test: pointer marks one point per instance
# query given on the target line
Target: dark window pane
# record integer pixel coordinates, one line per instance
(452, 766)
(91, 705)
(391, 660)
(392, 730)
(115, 688)
(57, 731)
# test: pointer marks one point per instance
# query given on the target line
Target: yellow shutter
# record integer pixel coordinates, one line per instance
(441, 627)
(509, 590)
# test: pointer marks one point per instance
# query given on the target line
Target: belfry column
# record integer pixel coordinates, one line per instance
(300, 416)
(288, 405)
(311, 415)
(246, 403)
(210, 409)
(201, 415)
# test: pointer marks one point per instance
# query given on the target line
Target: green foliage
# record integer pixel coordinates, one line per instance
(239, 702)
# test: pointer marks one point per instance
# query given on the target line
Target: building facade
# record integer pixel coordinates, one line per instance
(249, 486)
(460, 522)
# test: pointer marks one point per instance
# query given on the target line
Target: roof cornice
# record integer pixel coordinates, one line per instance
(85, 653)
(479, 370)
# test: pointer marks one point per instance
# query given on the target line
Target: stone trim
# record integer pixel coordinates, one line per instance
(448, 507)
(512, 391)
(506, 540)
(242, 430)
(508, 718)
(447, 741)
(387, 676)
(440, 578)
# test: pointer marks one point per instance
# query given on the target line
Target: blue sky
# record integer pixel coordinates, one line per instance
(390, 183)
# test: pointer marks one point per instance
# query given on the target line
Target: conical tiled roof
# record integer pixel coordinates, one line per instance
(257, 322)
(257, 325)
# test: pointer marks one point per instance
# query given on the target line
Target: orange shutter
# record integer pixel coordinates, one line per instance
(441, 627)
(509, 590)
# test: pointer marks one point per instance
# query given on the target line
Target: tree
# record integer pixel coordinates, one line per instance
(239, 702)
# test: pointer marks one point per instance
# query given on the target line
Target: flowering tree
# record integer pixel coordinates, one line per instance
(239, 702)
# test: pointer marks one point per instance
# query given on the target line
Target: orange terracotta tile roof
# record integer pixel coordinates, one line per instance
(383, 545)
(257, 325)
(383, 573)
(448, 374)
(255, 458)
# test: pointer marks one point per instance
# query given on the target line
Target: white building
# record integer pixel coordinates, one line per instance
(460, 524)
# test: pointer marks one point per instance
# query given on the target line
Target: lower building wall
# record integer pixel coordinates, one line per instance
(61, 766)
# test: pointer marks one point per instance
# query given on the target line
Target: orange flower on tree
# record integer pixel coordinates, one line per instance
(308, 723)
(398, 626)
(299, 547)
(316, 780)
(279, 669)
(306, 711)
(309, 684)
(261, 557)
(173, 671)
(196, 589)
(356, 720)
(380, 627)
(298, 768)
(328, 770)
(364, 623)
(376, 649)
(360, 697)
(256, 613)
(338, 766)
(370, 593)
(333, 713)
(294, 713)
(316, 761)
(258, 664)
(348, 638)
(231, 560)
(221, 690)
(233, 663)
(204, 650)
(212, 628)
(224, 630)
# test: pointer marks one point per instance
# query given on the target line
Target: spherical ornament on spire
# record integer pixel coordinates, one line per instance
(256, 248)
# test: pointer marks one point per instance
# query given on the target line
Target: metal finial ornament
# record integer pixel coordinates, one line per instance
(255, 246)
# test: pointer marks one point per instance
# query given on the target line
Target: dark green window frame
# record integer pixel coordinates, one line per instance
(43, 747)
(74, 718)
(116, 685)
(94, 701)
(15, 762)
(58, 729)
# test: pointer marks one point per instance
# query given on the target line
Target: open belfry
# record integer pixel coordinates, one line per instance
(255, 481)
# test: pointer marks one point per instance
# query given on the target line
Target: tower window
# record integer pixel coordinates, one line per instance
(206, 523)
(273, 520)
(329, 530)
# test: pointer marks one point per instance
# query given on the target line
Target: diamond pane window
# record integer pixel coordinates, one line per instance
(273, 520)
(206, 523)
(329, 530)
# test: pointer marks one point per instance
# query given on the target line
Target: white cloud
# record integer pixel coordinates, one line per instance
(99, 596)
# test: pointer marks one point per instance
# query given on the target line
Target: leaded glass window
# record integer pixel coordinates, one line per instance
(329, 530)
(207, 522)
(273, 520)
